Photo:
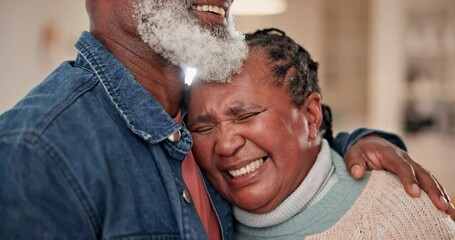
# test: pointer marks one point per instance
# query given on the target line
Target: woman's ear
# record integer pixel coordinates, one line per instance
(313, 112)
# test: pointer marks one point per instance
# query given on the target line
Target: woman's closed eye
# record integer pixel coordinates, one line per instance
(245, 117)
(203, 129)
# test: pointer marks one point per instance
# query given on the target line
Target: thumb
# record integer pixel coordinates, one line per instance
(355, 163)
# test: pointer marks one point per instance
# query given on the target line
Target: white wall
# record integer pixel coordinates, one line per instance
(387, 73)
(23, 63)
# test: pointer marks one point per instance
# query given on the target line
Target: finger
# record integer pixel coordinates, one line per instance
(406, 172)
(355, 163)
(397, 162)
(450, 208)
(431, 186)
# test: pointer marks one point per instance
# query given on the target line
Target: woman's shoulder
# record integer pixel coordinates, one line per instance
(392, 211)
(385, 211)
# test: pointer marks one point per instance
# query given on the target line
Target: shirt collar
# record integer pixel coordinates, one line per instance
(141, 112)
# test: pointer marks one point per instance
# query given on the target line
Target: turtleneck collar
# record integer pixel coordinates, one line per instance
(317, 182)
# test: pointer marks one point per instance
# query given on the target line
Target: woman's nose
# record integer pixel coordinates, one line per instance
(229, 142)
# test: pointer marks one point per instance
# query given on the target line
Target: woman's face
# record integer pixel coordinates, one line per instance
(254, 144)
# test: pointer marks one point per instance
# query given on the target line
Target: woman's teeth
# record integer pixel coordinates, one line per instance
(210, 8)
(247, 169)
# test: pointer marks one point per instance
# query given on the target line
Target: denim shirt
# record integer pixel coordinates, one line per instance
(87, 155)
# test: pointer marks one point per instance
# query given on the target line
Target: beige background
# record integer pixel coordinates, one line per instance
(366, 50)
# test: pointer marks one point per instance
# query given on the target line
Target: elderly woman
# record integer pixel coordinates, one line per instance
(260, 141)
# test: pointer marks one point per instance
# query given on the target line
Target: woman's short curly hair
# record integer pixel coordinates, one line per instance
(287, 57)
(293, 68)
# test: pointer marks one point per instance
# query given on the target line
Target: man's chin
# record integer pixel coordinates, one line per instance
(216, 49)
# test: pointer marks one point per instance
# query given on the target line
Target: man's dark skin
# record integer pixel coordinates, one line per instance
(112, 23)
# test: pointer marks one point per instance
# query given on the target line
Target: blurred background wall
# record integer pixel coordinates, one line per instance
(387, 64)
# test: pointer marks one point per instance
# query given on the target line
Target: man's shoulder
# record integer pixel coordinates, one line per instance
(64, 120)
(62, 91)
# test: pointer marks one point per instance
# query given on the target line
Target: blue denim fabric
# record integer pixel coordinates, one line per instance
(85, 155)
(344, 140)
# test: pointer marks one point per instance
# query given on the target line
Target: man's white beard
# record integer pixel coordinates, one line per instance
(173, 31)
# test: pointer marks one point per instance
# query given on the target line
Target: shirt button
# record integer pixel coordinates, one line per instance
(187, 196)
(175, 137)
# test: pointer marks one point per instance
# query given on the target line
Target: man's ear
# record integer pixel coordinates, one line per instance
(313, 112)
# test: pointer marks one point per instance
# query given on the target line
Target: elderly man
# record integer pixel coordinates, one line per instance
(98, 150)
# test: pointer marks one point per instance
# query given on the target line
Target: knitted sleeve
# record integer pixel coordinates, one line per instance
(385, 211)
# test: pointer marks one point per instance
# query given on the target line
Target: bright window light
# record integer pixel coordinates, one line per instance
(190, 73)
